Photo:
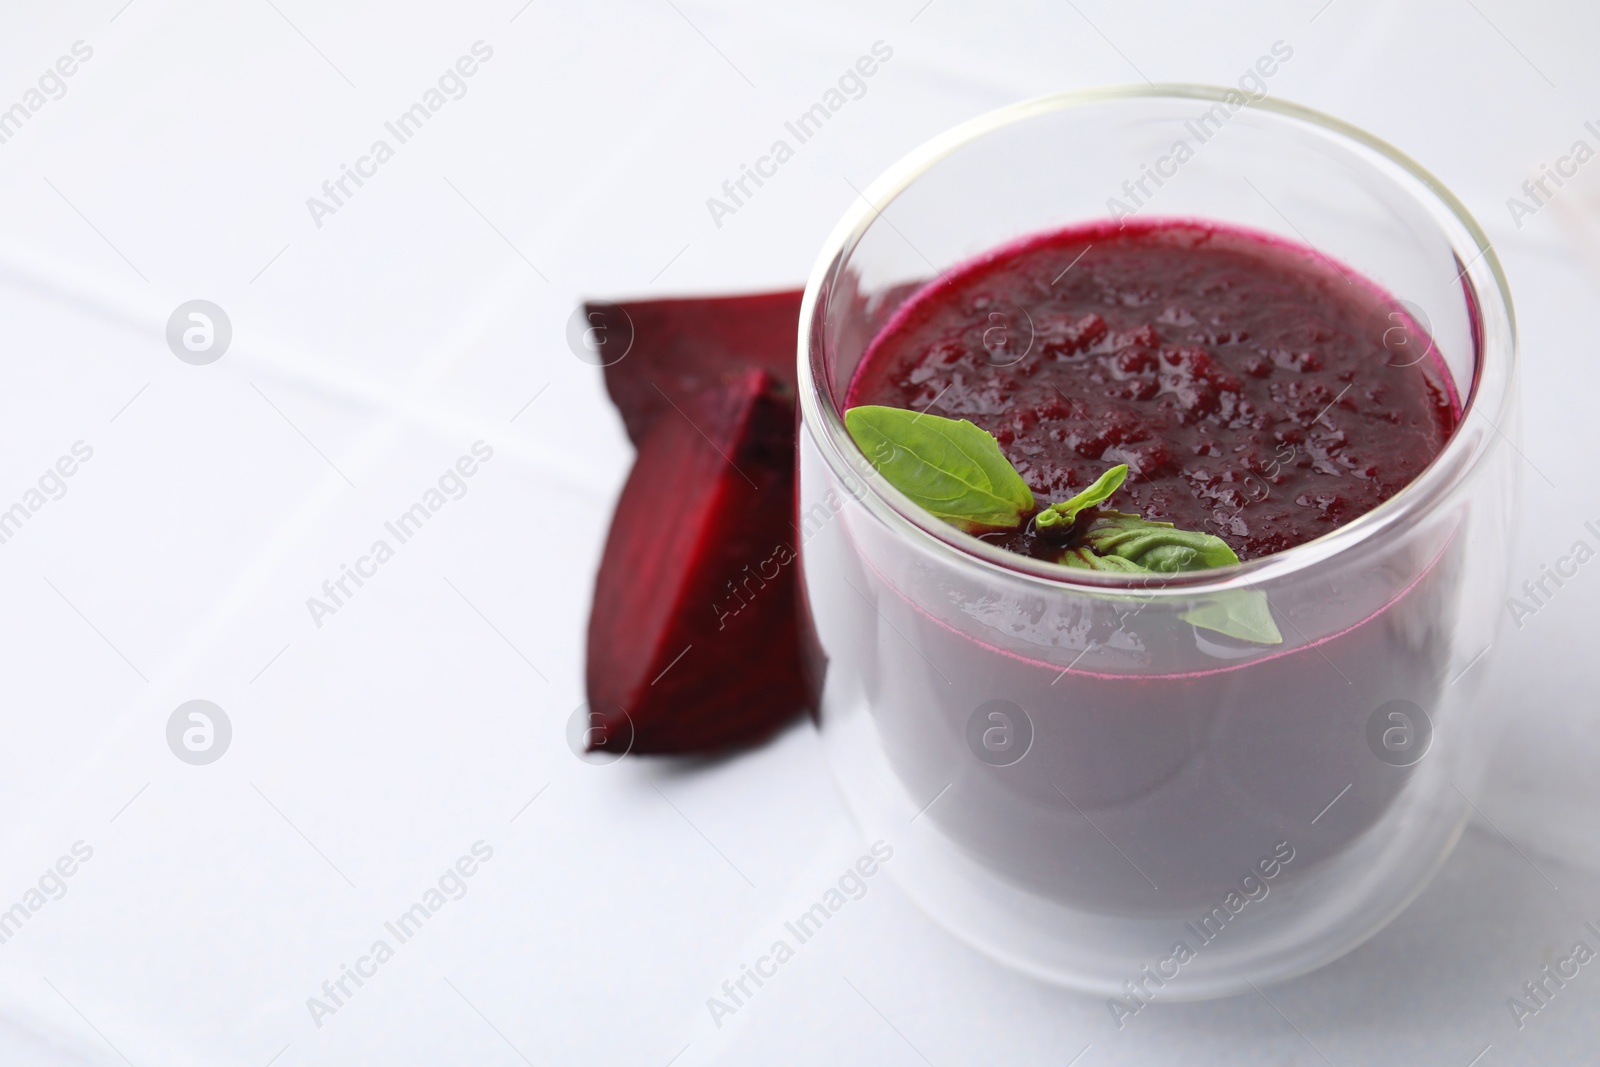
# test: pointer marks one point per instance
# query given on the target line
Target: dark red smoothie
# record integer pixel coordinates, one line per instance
(1255, 390)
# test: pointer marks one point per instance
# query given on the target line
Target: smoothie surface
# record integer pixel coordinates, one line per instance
(1255, 390)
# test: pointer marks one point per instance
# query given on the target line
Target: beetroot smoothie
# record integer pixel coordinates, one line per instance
(1255, 391)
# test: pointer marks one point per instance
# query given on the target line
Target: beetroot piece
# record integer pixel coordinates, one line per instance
(680, 347)
(694, 631)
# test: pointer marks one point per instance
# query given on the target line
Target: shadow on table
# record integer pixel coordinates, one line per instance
(1431, 988)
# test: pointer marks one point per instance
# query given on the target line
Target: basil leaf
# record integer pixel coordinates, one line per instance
(948, 467)
(1060, 517)
(1243, 613)
(1084, 559)
(1156, 546)
(1128, 543)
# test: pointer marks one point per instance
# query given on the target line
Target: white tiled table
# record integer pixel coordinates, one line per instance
(428, 313)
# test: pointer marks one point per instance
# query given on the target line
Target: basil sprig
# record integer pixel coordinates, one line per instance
(956, 471)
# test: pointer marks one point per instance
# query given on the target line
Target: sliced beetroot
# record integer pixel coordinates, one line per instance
(694, 632)
(678, 348)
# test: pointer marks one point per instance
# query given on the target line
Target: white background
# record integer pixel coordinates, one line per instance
(372, 351)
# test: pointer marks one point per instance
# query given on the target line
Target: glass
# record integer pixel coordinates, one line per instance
(1073, 779)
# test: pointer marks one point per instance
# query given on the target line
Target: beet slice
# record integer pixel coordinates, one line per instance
(678, 348)
(694, 632)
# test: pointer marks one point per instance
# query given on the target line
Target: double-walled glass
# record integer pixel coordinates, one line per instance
(1074, 778)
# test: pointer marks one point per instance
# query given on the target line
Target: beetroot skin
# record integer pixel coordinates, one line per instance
(695, 632)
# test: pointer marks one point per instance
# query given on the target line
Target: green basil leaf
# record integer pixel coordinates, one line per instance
(949, 467)
(1156, 546)
(1243, 613)
(1084, 559)
(1061, 516)
(1120, 542)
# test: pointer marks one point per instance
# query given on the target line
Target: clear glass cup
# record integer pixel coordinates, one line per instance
(1073, 778)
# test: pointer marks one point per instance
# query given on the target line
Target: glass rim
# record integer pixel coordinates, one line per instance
(1490, 383)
